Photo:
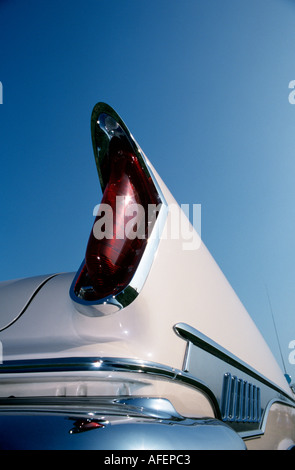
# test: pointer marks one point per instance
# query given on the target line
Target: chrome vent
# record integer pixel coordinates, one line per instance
(240, 400)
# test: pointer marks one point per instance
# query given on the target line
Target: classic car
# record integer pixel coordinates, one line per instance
(146, 346)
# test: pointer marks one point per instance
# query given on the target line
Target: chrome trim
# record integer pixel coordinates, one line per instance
(125, 365)
(111, 304)
(97, 364)
(207, 359)
(240, 400)
(197, 338)
(267, 410)
(152, 407)
(259, 432)
(187, 355)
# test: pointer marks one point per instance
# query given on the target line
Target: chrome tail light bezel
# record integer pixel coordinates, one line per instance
(112, 303)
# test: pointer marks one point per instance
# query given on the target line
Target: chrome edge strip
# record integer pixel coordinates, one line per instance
(272, 392)
(194, 336)
(124, 298)
(97, 364)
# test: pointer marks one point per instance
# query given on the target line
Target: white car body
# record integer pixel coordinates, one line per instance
(184, 345)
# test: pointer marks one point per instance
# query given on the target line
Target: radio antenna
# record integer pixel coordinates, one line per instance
(276, 331)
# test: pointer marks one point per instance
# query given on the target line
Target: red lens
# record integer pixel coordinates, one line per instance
(122, 226)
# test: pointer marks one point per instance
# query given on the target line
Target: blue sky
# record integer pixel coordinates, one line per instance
(203, 87)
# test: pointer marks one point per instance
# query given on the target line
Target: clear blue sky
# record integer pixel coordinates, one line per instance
(203, 87)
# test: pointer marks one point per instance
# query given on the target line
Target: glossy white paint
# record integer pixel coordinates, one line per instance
(15, 295)
(279, 433)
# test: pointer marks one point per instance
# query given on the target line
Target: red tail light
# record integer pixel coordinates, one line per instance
(111, 261)
(126, 217)
(84, 424)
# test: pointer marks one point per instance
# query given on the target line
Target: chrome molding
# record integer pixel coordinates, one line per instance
(264, 417)
(97, 364)
(114, 303)
(197, 338)
(240, 400)
(238, 395)
(152, 407)
(244, 396)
